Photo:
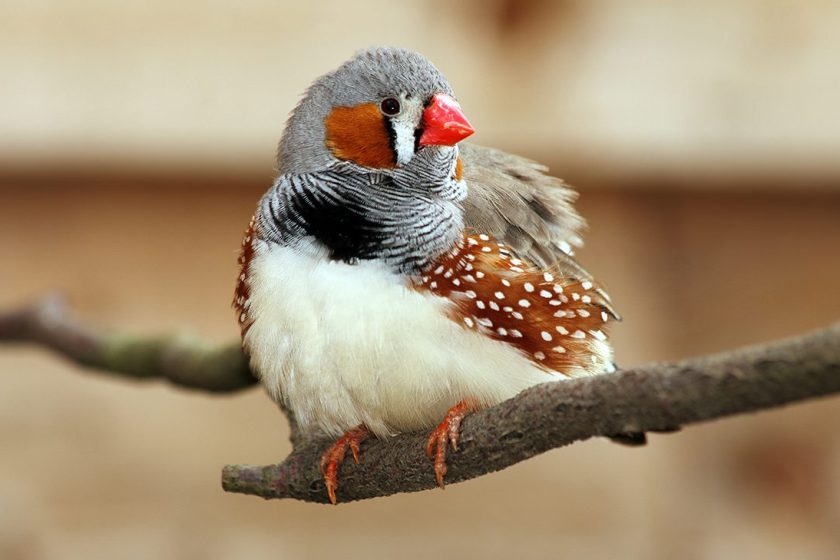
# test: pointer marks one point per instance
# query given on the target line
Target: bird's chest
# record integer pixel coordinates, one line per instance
(340, 343)
(343, 345)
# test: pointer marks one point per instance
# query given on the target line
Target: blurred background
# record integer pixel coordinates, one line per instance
(136, 138)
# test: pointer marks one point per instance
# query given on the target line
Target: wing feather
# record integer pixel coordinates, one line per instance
(516, 201)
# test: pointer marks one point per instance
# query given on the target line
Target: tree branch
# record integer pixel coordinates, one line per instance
(181, 360)
(648, 398)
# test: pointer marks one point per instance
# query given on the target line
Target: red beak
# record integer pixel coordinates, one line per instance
(444, 122)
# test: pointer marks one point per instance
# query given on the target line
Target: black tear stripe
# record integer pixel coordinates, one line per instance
(418, 132)
(392, 137)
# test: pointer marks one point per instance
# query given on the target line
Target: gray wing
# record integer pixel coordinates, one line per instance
(517, 202)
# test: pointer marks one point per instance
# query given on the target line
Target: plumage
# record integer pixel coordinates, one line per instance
(348, 344)
(392, 277)
(556, 321)
(517, 202)
(359, 134)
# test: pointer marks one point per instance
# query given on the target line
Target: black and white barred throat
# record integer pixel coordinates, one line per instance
(405, 217)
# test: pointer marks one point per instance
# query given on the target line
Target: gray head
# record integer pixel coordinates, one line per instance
(376, 110)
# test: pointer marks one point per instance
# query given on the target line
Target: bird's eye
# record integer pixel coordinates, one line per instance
(390, 106)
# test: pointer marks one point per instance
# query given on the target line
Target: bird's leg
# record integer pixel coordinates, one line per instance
(447, 431)
(333, 457)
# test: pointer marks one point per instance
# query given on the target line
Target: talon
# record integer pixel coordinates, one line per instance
(454, 432)
(430, 444)
(448, 431)
(331, 482)
(333, 457)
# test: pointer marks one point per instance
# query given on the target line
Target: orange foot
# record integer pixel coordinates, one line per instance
(333, 457)
(447, 431)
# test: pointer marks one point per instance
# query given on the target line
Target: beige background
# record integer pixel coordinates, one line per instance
(135, 139)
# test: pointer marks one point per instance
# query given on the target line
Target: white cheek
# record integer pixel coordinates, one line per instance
(404, 126)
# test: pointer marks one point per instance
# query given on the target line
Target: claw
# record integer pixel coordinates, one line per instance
(333, 457)
(448, 431)
(354, 448)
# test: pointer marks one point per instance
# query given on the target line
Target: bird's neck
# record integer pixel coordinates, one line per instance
(406, 217)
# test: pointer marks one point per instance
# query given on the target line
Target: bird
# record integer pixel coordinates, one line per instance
(395, 279)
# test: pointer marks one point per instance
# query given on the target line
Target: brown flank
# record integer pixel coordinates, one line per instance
(553, 320)
(243, 291)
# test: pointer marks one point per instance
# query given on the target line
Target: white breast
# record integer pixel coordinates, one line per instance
(344, 345)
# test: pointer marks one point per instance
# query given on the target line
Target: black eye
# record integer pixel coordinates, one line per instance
(390, 106)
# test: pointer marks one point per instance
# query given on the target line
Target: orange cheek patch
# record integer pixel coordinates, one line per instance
(360, 134)
(459, 169)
